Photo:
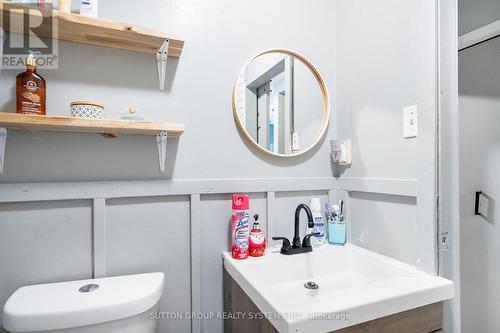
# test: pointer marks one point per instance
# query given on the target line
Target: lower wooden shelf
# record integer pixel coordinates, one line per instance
(76, 125)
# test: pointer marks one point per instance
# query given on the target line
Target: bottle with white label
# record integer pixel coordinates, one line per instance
(30, 90)
(319, 223)
(89, 7)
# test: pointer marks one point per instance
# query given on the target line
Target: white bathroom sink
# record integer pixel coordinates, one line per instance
(355, 286)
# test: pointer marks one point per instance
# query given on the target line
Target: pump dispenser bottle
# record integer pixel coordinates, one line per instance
(319, 223)
(257, 244)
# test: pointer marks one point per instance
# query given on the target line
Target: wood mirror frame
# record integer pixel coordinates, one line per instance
(324, 93)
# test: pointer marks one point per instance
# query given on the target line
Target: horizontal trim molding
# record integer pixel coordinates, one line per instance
(479, 35)
(24, 192)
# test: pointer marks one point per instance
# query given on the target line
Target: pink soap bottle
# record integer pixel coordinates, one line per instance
(239, 226)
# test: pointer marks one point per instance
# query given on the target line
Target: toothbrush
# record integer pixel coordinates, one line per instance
(328, 211)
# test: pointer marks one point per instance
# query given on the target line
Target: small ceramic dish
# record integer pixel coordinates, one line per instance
(87, 110)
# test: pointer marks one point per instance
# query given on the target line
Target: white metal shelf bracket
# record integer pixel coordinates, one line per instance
(3, 142)
(161, 140)
(161, 60)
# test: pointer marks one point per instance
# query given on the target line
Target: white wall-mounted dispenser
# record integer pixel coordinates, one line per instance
(341, 151)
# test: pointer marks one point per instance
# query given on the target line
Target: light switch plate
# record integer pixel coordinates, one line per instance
(410, 122)
(483, 206)
(295, 141)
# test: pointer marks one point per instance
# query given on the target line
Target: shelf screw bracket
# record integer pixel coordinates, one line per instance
(161, 140)
(3, 143)
(161, 60)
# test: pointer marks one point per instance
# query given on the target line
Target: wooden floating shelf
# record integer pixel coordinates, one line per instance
(90, 30)
(101, 126)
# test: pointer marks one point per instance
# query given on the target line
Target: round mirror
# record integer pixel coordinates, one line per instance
(281, 103)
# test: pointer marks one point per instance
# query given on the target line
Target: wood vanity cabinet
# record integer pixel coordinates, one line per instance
(425, 319)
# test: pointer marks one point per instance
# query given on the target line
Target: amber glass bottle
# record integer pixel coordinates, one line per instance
(30, 90)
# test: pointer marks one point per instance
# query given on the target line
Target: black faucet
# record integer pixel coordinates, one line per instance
(297, 247)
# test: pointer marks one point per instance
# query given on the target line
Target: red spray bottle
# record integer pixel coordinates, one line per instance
(239, 226)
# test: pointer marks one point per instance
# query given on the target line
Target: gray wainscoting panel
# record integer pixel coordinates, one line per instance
(99, 237)
(44, 242)
(284, 212)
(270, 208)
(153, 235)
(215, 228)
(195, 260)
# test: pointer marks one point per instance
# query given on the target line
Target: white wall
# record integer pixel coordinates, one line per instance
(372, 72)
(479, 110)
(218, 43)
(449, 182)
(386, 62)
(52, 241)
(474, 14)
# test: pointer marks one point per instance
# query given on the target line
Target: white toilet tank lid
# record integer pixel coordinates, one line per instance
(63, 305)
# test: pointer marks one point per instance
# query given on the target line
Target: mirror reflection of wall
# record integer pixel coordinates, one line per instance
(279, 103)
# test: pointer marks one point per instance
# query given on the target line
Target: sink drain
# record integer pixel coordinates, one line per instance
(88, 288)
(311, 285)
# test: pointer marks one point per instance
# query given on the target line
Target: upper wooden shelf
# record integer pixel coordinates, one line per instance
(94, 31)
(101, 126)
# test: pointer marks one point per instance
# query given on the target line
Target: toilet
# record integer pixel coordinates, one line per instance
(125, 304)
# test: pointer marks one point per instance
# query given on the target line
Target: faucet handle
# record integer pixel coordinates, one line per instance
(286, 243)
(307, 239)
